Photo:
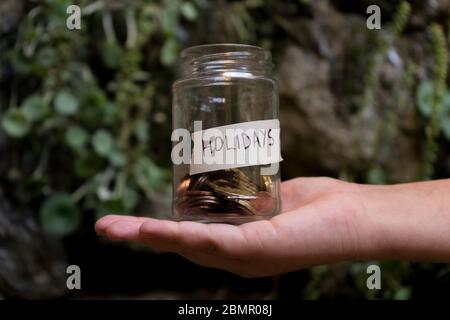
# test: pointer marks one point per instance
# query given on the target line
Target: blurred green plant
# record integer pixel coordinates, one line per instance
(101, 125)
(433, 99)
(424, 98)
(382, 41)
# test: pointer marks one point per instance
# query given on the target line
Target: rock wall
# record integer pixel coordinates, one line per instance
(329, 125)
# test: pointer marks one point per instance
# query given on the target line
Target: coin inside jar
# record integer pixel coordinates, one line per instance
(263, 202)
(183, 187)
(224, 192)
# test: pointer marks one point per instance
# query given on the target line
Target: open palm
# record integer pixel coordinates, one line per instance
(320, 223)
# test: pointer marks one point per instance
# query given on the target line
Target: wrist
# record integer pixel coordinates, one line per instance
(407, 221)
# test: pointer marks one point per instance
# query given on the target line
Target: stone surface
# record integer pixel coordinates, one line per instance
(327, 129)
(10, 13)
(32, 266)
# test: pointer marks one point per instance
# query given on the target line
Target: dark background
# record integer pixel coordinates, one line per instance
(86, 120)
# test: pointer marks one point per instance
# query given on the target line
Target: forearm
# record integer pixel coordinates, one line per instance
(408, 221)
(324, 221)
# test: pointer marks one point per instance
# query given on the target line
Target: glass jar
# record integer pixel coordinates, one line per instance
(226, 146)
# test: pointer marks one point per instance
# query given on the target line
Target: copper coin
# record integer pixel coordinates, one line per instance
(183, 187)
(201, 181)
(264, 203)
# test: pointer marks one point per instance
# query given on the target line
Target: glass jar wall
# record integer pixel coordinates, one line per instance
(227, 87)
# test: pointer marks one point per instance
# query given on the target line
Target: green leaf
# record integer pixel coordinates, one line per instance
(88, 164)
(103, 142)
(110, 112)
(446, 102)
(95, 109)
(111, 54)
(76, 137)
(425, 95)
(49, 82)
(169, 21)
(130, 199)
(19, 62)
(94, 97)
(403, 293)
(115, 206)
(188, 11)
(104, 193)
(169, 52)
(445, 126)
(15, 123)
(66, 103)
(45, 58)
(34, 108)
(60, 215)
(148, 175)
(445, 119)
(117, 158)
(141, 130)
(376, 175)
(125, 204)
(424, 98)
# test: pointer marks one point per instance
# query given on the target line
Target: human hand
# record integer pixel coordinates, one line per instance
(322, 222)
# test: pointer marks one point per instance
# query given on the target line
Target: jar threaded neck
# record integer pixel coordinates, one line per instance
(228, 60)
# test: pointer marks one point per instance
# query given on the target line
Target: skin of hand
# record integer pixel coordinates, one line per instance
(323, 221)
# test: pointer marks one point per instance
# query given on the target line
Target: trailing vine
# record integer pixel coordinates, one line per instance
(437, 91)
(382, 42)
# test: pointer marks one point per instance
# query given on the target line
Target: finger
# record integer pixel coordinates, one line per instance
(102, 223)
(219, 239)
(124, 229)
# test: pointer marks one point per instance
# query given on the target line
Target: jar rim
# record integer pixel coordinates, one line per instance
(218, 57)
(222, 48)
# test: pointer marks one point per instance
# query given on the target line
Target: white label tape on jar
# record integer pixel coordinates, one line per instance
(237, 145)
